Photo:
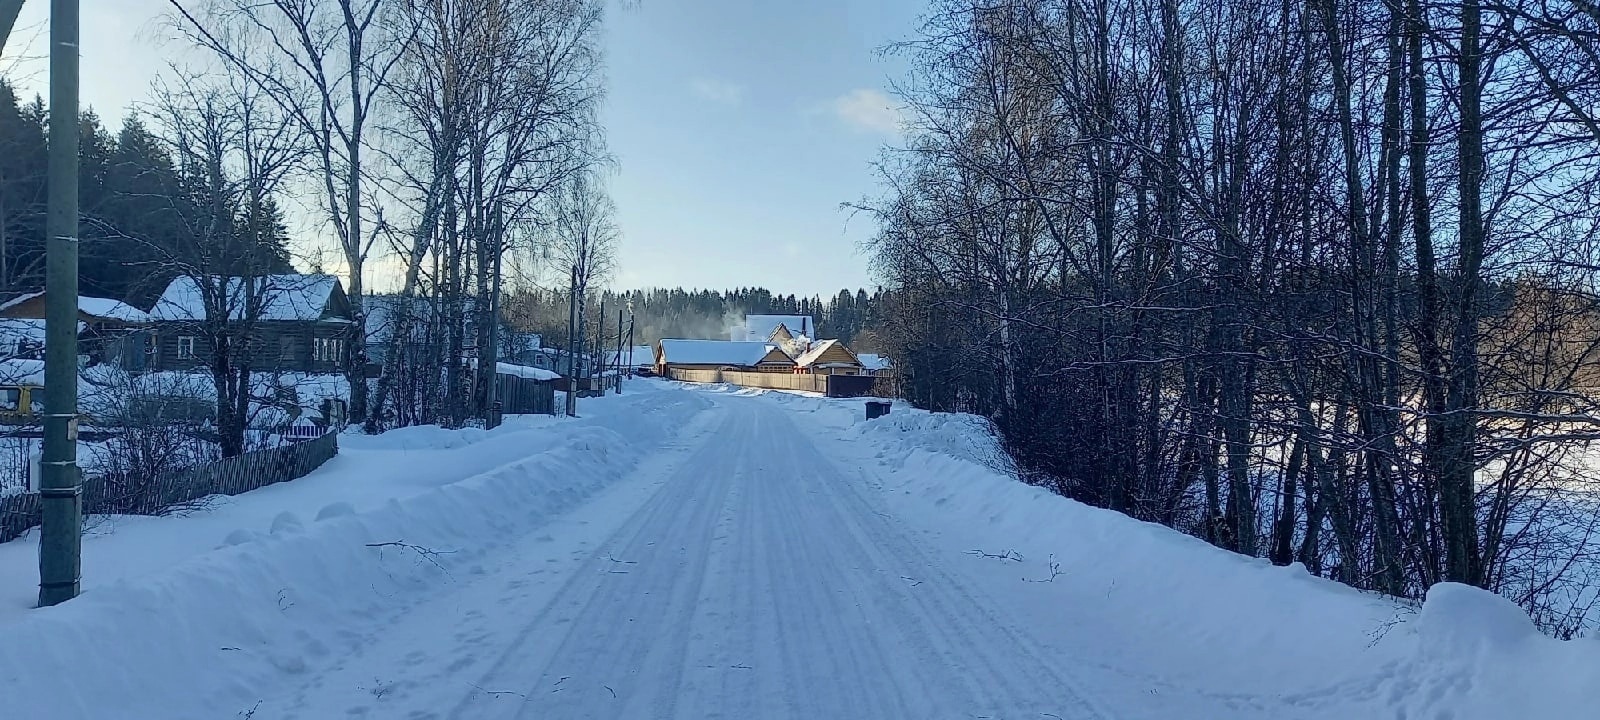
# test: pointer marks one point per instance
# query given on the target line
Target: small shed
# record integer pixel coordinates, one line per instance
(523, 390)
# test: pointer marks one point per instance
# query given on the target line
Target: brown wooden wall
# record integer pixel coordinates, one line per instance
(280, 346)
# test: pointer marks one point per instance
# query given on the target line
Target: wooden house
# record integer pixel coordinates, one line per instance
(721, 355)
(303, 323)
(108, 330)
(829, 357)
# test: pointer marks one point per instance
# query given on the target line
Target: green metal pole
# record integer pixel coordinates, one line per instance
(60, 493)
(8, 19)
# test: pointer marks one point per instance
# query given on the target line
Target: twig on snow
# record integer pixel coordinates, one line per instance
(1006, 555)
(428, 554)
(615, 561)
(498, 693)
(914, 582)
(613, 692)
(251, 713)
(1055, 570)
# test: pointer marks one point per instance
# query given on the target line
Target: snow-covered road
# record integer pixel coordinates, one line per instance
(744, 575)
(704, 552)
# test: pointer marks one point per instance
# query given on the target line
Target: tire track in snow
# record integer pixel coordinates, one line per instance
(752, 577)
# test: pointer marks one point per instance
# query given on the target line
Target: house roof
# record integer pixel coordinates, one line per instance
(105, 308)
(740, 353)
(287, 297)
(642, 355)
(817, 349)
(872, 361)
(760, 327)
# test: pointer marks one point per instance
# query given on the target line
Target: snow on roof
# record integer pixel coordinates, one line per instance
(761, 327)
(873, 361)
(16, 371)
(642, 355)
(817, 350)
(741, 353)
(111, 309)
(525, 372)
(93, 306)
(286, 297)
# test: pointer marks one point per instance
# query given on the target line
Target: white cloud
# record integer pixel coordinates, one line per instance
(720, 92)
(870, 110)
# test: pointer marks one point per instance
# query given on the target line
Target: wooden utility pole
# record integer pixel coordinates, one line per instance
(60, 495)
(619, 352)
(572, 344)
(491, 370)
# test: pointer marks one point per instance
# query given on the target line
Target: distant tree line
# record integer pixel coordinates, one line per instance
(147, 207)
(698, 314)
(1314, 281)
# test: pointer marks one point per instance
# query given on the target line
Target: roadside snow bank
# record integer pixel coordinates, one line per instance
(1168, 611)
(281, 596)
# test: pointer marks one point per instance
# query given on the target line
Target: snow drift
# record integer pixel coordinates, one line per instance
(1167, 611)
(365, 537)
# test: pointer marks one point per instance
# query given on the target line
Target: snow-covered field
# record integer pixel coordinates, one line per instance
(701, 552)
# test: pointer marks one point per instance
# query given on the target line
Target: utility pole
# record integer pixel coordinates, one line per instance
(60, 495)
(631, 365)
(599, 363)
(619, 352)
(492, 354)
(572, 344)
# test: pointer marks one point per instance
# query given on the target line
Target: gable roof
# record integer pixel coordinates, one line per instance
(103, 308)
(873, 361)
(287, 297)
(818, 349)
(738, 353)
(760, 328)
(642, 355)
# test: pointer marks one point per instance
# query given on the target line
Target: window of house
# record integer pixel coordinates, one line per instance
(10, 398)
(329, 350)
(186, 347)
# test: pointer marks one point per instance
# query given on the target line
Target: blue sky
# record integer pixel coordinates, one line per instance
(739, 127)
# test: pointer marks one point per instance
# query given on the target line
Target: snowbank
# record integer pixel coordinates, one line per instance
(1169, 611)
(525, 372)
(182, 617)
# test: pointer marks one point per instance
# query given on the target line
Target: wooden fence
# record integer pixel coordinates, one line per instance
(160, 495)
(830, 385)
(525, 396)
